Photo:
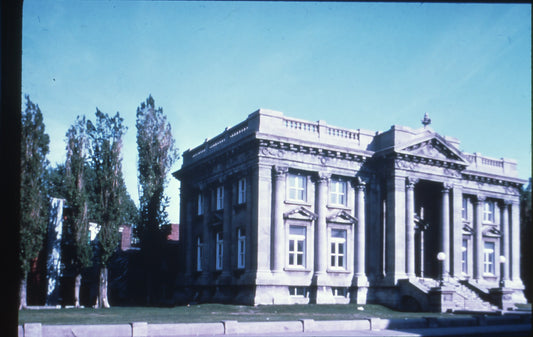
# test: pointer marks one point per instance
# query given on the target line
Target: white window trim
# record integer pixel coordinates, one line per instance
(219, 251)
(297, 189)
(220, 198)
(295, 252)
(334, 194)
(464, 256)
(241, 195)
(241, 250)
(489, 211)
(488, 255)
(337, 242)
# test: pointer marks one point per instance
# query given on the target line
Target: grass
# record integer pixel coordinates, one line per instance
(213, 313)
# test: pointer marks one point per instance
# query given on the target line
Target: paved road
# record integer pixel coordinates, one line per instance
(485, 331)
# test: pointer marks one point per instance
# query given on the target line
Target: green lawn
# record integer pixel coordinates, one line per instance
(212, 313)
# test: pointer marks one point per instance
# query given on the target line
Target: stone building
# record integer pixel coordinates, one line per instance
(278, 210)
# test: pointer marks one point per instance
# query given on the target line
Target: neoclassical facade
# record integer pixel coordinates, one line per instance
(278, 210)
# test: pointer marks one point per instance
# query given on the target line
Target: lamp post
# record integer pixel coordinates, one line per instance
(503, 275)
(441, 256)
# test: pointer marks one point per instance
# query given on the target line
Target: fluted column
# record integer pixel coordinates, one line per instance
(360, 232)
(478, 238)
(505, 239)
(515, 240)
(444, 243)
(410, 226)
(321, 251)
(278, 244)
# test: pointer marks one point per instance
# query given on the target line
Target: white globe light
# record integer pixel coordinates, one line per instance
(441, 256)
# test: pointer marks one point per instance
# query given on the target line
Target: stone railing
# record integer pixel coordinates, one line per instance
(484, 164)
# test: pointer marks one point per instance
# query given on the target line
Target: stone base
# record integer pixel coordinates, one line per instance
(503, 298)
(271, 294)
(359, 290)
(322, 295)
(441, 299)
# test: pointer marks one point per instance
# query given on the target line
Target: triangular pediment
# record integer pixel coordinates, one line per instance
(433, 147)
(300, 213)
(342, 217)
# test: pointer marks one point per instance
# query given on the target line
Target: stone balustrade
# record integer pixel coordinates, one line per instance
(485, 164)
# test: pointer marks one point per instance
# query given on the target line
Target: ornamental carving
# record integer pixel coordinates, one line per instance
(405, 165)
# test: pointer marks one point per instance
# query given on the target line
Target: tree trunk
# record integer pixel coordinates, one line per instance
(102, 301)
(23, 293)
(77, 285)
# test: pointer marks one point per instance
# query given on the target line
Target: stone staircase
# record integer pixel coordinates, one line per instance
(464, 298)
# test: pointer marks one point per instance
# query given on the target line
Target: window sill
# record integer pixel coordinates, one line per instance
(291, 269)
(341, 207)
(297, 202)
(338, 271)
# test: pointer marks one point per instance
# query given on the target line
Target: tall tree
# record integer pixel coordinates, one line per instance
(156, 154)
(105, 135)
(33, 198)
(77, 200)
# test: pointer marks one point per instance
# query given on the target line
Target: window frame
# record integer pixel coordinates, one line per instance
(219, 251)
(489, 211)
(335, 194)
(294, 253)
(295, 188)
(200, 206)
(199, 254)
(489, 258)
(241, 250)
(219, 196)
(241, 191)
(334, 244)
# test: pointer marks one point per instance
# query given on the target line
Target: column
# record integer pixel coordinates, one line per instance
(478, 238)
(278, 244)
(515, 240)
(360, 232)
(321, 248)
(410, 226)
(457, 231)
(445, 228)
(226, 230)
(505, 239)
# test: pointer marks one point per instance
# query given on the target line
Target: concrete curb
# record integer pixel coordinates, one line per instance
(144, 329)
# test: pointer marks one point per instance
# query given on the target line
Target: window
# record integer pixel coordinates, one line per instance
(464, 257)
(200, 204)
(297, 187)
(297, 236)
(340, 291)
(220, 198)
(298, 291)
(464, 210)
(488, 211)
(241, 196)
(219, 251)
(241, 249)
(199, 254)
(338, 249)
(337, 192)
(488, 258)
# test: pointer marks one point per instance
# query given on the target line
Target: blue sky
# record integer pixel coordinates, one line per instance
(210, 64)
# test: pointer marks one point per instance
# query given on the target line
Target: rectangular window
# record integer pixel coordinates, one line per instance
(464, 210)
(241, 196)
(219, 251)
(220, 198)
(199, 254)
(297, 235)
(340, 291)
(338, 249)
(298, 291)
(297, 187)
(337, 192)
(241, 249)
(464, 257)
(488, 258)
(200, 204)
(488, 211)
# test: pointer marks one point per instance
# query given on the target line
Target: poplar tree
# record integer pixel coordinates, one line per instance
(105, 135)
(156, 154)
(77, 200)
(33, 199)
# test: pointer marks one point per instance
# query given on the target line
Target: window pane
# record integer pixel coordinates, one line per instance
(297, 230)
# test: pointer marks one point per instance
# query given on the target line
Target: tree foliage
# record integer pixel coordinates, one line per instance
(156, 154)
(33, 198)
(76, 195)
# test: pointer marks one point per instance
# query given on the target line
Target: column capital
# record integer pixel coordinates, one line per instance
(410, 182)
(446, 186)
(480, 198)
(322, 177)
(505, 202)
(279, 171)
(360, 184)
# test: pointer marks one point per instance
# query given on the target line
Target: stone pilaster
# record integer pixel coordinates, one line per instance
(444, 240)
(505, 241)
(457, 231)
(515, 240)
(478, 238)
(395, 230)
(360, 281)
(278, 243)
(410, 226)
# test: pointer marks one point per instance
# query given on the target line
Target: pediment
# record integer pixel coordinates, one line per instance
(342, 217)
(300, 213)
(434, 148)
